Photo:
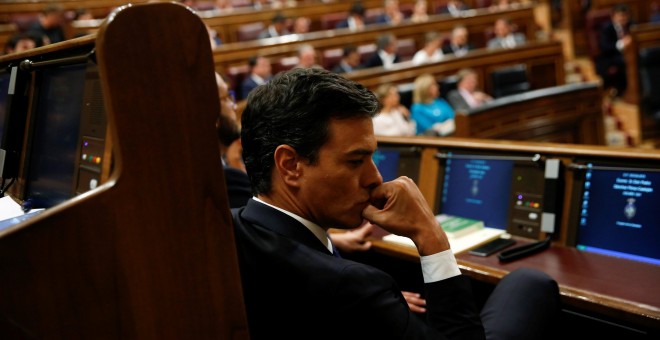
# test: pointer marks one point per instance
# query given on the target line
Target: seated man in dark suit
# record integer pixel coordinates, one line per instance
(308, 143)
(229, 133)
(355, 20)
(260, 73)
(453, 7)
(613, 38)
(350, 60)
(392, 13)
(277, 27)
(459, 43)
(467, 94)
(386, 54)
(505, 36)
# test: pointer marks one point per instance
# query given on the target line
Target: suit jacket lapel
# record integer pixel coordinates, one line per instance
(281, 223)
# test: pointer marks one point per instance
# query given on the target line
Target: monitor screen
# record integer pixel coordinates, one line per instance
(387, 162)
(618, 213)
(395, 161)
(477, 188)
(5, 77)
(54, 136)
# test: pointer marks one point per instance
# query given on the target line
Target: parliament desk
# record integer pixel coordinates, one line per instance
(604, 294)
(616, 289)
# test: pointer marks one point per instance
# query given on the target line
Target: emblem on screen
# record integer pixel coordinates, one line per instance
(630, 209)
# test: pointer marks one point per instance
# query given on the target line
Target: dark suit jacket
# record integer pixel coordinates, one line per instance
(341, 68)
(609, 55)
(294, 288)
(238, 187)
(448, 49)
(342, 24)
(457, 101)
(498, 42)
(375, 60)
(247, 85)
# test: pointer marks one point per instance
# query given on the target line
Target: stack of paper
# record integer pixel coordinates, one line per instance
(463, 233)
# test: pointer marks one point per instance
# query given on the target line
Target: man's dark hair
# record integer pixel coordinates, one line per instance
(621, 8)
(384, 39)
(278, 18)
(357, 8)
(348, 49)
(295, 108)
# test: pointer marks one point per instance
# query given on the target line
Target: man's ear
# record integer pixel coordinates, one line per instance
(288, 165)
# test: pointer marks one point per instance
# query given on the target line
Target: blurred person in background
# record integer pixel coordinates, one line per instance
(393, 119)
(350, 60)
(260, 73)
(432, 114)
(432, 51)
(20, 42)
(467, 95)
(459, 43)
(49, 25)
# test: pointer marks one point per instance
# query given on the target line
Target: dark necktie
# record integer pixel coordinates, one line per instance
(335, 251)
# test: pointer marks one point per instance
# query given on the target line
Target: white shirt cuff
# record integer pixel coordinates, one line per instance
(439, 266)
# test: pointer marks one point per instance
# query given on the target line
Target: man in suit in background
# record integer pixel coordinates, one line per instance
(277, 27)
(613, 38)
(386, 53)
(308, 143)
(505, 37)
(229, 133)
(350, 60)
(459, 43)
(260, 73)
(50, 24)
(467, 95)
(355, 20)
(453, 7)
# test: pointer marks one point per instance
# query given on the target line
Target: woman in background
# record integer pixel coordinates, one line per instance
(432, 114)
(393, 118)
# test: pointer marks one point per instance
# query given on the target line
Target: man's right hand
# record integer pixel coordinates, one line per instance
(400, 208)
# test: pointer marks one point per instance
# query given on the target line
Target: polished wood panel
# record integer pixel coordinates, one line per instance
(149, 253)
(643, 36)
(544, 61)
(477, 23)
(563, 114)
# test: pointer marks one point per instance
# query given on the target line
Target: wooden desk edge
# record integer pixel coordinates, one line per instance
(629, 311)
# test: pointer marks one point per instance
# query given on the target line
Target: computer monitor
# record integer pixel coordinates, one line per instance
(13, 114)
(395, 161)
(66, 135)
(478, 189)
(5, 77)
(505, 191)
(618, 211)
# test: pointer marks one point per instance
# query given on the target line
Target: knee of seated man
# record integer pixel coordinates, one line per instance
(528, 278)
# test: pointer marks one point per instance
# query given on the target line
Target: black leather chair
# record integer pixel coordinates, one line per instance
(510, 80)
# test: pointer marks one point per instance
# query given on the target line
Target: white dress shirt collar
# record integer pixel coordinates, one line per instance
(319, 232)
